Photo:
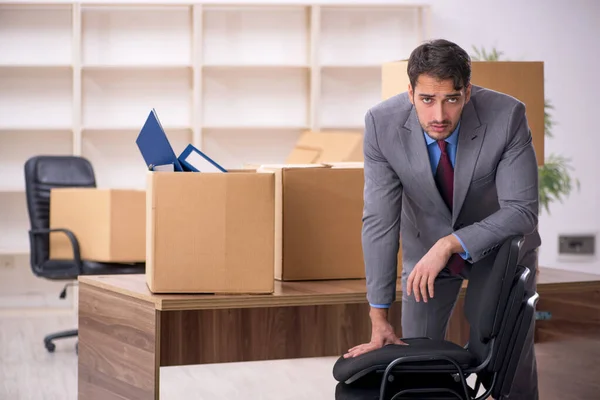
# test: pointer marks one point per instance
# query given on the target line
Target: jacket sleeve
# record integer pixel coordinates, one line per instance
(518, 193)
(381, 220)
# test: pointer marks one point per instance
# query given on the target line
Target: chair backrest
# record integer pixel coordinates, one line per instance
(43, 173)
(506, 374)
(500, 348)
(512, 313)
(487, 297)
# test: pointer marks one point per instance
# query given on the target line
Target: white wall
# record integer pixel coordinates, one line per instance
(563, 34)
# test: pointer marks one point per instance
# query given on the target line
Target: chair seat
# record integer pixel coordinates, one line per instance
(368, 388)
(59, 269)
(350, 369)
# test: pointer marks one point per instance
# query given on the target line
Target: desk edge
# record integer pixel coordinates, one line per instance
(88, 280)
(261, 301)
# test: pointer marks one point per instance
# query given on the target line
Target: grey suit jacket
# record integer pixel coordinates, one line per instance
(495, 186)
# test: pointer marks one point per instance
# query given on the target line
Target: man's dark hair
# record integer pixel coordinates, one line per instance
(441, 59)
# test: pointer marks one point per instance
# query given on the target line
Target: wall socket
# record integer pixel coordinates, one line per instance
(577, 244)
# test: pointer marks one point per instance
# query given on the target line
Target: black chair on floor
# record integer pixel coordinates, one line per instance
(43, 173)
(499, 311)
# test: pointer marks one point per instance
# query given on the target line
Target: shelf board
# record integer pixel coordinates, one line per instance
(127, 67)
(254, 128)
(351, 66)
(342, 128)
(35, 129)
(256, 66)
(227, 4)
(35, 66)
(108, 128)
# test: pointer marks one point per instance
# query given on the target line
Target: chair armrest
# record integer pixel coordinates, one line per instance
(72, 239)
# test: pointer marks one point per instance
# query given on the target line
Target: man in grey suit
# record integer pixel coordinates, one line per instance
(450, 168)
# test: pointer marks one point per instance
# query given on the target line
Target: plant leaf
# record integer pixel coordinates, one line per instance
(548, 121)
(555, 183)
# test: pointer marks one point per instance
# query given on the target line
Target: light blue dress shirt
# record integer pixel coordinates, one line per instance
(434, 159)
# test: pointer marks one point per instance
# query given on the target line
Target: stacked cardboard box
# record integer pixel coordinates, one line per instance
(109, 224)
(327, 147)
(318, 210)
(210, 232)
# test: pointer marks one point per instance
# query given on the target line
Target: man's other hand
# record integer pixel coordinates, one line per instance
(382, 334)
(422, 277)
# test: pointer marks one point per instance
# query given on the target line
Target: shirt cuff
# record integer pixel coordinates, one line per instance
(465, 254)
(380, 305)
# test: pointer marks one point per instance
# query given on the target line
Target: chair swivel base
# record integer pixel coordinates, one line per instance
(48, 340)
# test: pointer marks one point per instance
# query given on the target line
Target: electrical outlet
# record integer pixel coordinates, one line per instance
(577, 244)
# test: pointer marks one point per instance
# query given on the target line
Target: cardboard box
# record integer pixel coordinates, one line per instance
(210, 232)
(327, 147)
(523, 80)
(109, 224)
(318, 221)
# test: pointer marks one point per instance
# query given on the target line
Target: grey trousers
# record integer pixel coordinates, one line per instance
(431, 319)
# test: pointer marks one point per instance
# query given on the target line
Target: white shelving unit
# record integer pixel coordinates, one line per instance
(13, 215)
(239, 80)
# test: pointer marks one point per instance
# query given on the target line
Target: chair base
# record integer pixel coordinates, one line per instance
(48, 340)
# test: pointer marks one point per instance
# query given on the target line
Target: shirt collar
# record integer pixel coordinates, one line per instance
(452, 139)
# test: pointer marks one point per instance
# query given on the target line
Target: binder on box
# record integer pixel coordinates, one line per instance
(164, 168)
(154, 144)
(194, 160)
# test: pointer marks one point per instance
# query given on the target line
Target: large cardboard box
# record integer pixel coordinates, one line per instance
(109, 224)
(210, 232)
(318, 221)
(523, 80)
(327, 147)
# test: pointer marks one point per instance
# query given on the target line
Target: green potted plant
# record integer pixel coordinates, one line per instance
(555, 181)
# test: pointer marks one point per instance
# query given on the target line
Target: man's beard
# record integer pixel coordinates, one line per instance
(427, 128)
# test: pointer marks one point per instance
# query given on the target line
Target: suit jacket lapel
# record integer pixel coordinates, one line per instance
(413, 143)
(470, 139)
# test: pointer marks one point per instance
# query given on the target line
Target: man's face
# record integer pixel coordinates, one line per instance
(438, 105)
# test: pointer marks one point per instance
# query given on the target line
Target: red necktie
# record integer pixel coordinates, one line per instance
(444, 179)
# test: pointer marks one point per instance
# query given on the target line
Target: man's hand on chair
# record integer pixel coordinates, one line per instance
(382, 333)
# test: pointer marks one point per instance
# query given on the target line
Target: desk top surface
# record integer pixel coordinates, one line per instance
(293, 293)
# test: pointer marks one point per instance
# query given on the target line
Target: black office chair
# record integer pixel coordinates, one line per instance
(43, 173)
(499, 311)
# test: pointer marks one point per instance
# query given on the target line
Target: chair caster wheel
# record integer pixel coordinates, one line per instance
(50, 347)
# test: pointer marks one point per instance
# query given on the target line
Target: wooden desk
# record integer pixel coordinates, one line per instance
(126, 333)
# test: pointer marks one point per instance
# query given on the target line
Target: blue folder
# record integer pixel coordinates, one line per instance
(155, 146)
(194, 160)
